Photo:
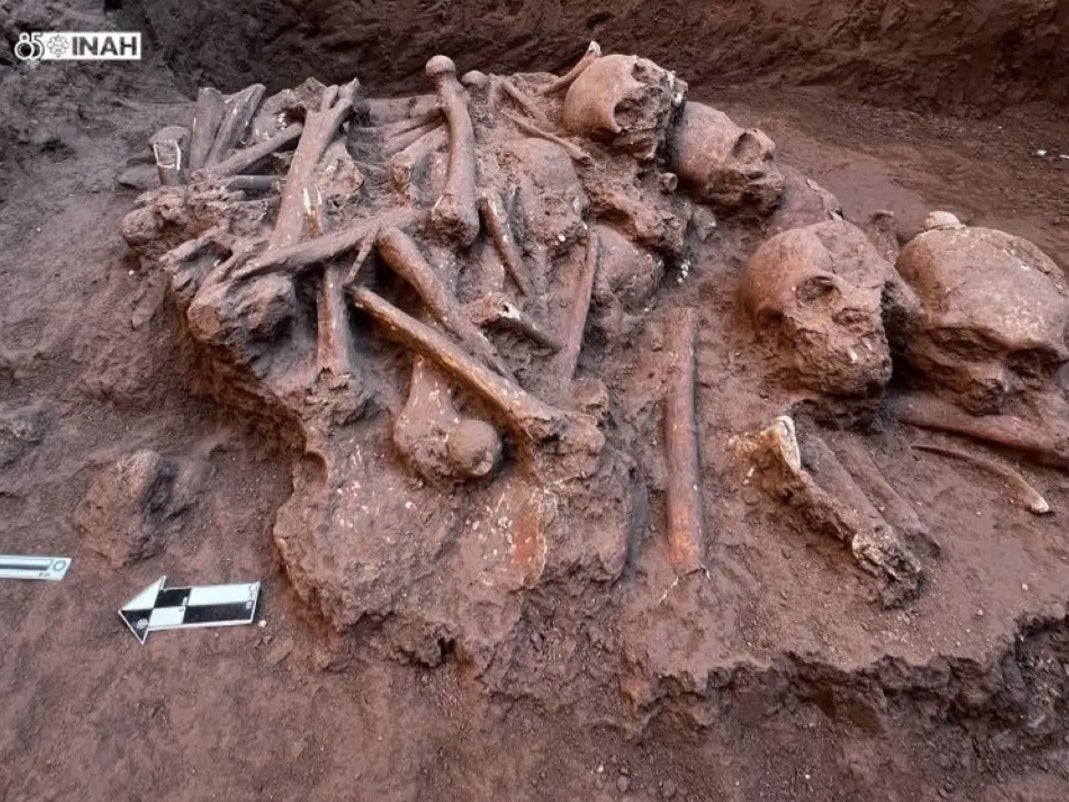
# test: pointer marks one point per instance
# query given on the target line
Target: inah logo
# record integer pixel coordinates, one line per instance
(79, 46)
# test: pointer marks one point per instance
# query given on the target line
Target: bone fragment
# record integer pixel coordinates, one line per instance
(573, 150)
(898, 512)
(525, 414)
(401, 141)
(1047, 446)
(505, 85)
(497, 308)
(455, 211)
(251, 183)
(496, 221)
(402, 254)
(383, 111)
(829, 500)
(593, 51)
(206, 119)
(247, 157)
(683, 493)
(238, 113)
(1028, 495)
(394, 129)
(565, 362)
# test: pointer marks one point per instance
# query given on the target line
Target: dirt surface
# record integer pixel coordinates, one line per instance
(984, 54)
(774, 677)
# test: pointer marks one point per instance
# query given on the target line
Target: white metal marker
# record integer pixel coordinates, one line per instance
(156, 608)
(52, 569)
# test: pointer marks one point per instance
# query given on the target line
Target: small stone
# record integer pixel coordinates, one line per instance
(622, 784)
(279, 652)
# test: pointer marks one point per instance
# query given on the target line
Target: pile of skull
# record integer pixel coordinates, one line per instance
(517, 218)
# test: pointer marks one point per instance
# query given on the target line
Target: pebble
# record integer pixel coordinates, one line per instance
(622, 783)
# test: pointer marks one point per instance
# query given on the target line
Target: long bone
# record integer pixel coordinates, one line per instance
(400, 142)
(567, 359)
(206, 119)
(829, 500)
(683, 493)
(593, 52)
(455, 211)
(236, 117)
(525, 414)
(246, 157)
(297, 258)
(320, 128)
(1043, 445)
(334, 352)
(402, 254)
(497, 224)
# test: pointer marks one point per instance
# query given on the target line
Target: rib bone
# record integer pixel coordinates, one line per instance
(573, 150)
(1029, 495)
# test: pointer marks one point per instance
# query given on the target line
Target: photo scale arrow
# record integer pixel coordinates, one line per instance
(158, 608)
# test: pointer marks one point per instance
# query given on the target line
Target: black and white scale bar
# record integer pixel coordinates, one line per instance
(157, 608)
(52, 569)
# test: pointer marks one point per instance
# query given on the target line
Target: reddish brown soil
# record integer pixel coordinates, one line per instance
(798, 689)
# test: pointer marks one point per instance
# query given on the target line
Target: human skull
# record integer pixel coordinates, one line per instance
(824, 294)
(624, 101)
(722, 164)
(995, 315)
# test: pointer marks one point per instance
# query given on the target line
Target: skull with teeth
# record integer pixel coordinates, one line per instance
(995, 316)
(824, 295)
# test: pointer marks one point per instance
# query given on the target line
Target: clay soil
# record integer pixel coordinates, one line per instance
(803, 690)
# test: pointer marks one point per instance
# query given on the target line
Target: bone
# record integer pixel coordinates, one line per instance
(401, 141)
(497, 308)
(394, 129)
(170, 150)
(436, 440)
(1029, 496)
(247, 157)
(573, 150)
(294, 259)
(683, 493)
(496, 222)
(383, 111)
(567, 359)
(251, 183)
(455, 213)
(593, 52)
(525, 414)
(238, 113)
(898, 512)
(1047, 446)
(320, 127)
(206, 119)
(499, 85)
(829, 500)
(402, 254)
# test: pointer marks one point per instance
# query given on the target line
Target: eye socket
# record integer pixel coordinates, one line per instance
(817, 289)
(748, 148)
(1033, 363)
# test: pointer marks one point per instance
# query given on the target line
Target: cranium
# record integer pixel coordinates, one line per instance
(823, 291)
(995, 315)
(722, 164)
(625, 101)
